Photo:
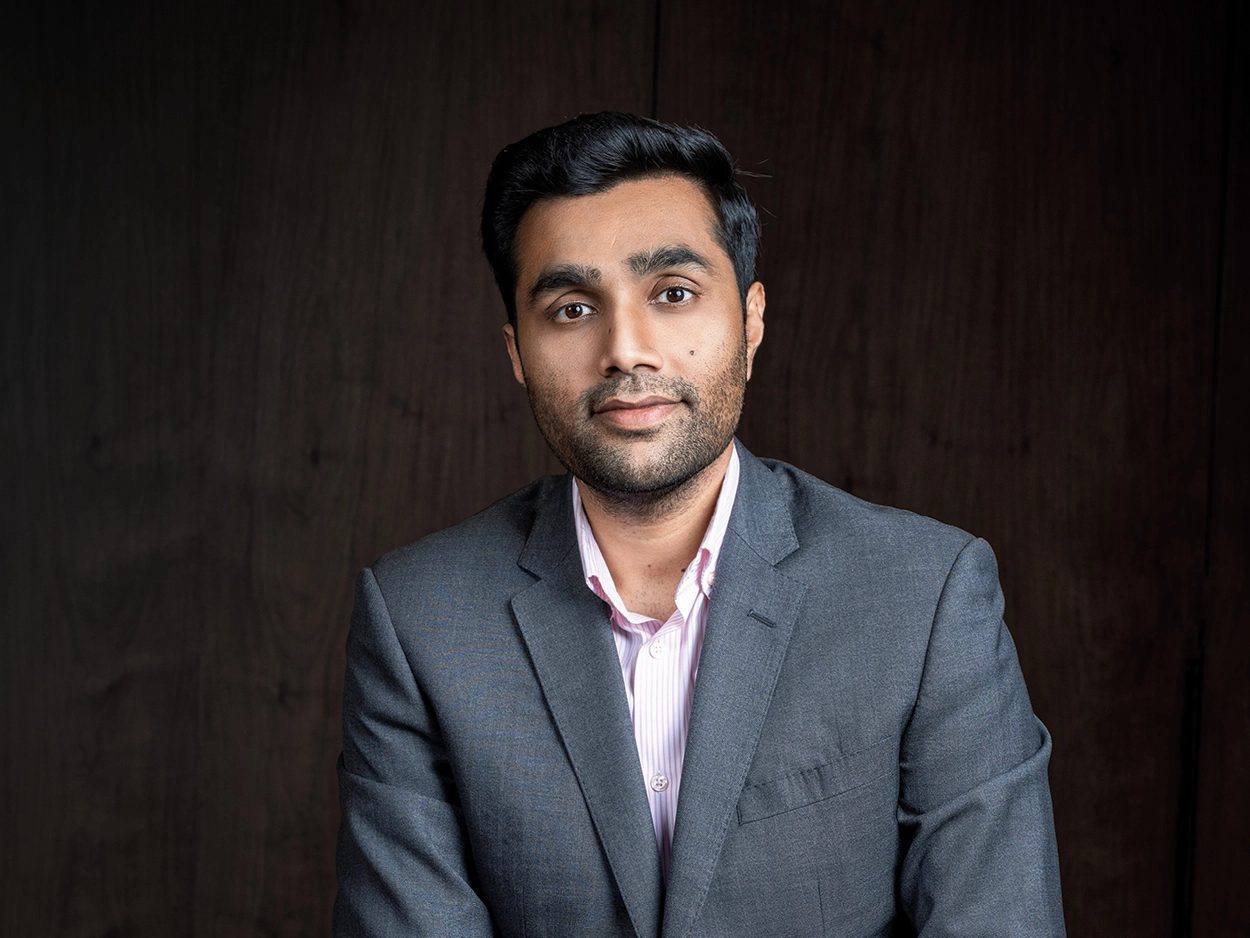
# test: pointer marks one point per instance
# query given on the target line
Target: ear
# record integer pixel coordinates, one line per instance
(514, 354)
(754, 322)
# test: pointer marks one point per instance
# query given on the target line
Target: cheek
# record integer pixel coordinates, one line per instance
(698, 337)
(551, 382)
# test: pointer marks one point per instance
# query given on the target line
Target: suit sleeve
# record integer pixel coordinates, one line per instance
(403, 860)
(974, 801)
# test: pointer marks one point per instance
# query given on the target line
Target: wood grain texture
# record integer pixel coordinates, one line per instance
(990, 248)
(104, 413)
(253, 345)
(249, 343)
(1222, 854)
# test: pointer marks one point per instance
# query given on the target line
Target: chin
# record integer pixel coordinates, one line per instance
(642, 475)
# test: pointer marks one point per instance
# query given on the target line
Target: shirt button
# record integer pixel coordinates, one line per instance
(656, 649)
(659, 782)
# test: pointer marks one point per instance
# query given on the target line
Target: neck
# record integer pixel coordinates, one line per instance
(648, 545)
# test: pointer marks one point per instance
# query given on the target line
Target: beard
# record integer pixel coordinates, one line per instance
(693, 438)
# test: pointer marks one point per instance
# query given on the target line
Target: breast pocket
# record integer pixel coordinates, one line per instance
(818, 783)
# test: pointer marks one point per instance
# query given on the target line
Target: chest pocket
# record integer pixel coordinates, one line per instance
(807, 786)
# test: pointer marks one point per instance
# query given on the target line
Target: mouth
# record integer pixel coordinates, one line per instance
(642, 414)
(617, 403)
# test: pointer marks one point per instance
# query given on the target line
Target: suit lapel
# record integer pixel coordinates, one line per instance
(750, 620)
(570, 643)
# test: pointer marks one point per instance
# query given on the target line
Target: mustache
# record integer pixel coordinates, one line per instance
(635, 385)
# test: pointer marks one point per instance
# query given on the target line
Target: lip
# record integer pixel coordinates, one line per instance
(642, 414)
(617, 403)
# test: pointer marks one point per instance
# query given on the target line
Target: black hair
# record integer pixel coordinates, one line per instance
(592, 153)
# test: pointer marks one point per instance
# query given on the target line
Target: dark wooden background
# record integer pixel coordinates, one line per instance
(249, 343)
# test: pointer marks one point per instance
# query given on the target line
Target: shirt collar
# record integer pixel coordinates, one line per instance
(702, 570)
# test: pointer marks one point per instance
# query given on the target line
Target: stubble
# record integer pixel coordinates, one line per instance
(602, 460)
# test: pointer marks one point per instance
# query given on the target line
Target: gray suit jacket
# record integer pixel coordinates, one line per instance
(862, 756)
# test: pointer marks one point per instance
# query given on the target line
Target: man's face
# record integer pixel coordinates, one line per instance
(630, 336)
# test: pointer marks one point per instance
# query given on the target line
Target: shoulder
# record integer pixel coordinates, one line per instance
(824, 514)
(879, 577)
(833, 526)
(476, 552)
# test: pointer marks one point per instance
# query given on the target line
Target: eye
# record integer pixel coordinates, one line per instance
(673, 295)
(571, 311)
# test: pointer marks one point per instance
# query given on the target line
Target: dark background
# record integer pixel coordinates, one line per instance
(249, 343)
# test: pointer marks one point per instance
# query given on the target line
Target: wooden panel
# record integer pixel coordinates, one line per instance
(256, 345)
(104, 412)
(990, 243)
(1223, 831)
(250, 343)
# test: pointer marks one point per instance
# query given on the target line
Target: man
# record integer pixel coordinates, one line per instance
(682, 691)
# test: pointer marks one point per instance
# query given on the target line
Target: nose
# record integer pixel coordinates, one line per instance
(629, 343)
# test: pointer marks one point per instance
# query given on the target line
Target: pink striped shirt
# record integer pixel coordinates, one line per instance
(659, 660)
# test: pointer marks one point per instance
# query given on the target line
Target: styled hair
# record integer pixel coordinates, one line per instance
(592, 153)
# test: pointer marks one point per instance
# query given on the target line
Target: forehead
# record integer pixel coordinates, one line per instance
(606, 228)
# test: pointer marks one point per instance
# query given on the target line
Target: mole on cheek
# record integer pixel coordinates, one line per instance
(692, 351)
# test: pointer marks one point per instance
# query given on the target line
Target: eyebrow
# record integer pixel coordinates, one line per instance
(670, 255)
(563, 276)
(641, 264)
